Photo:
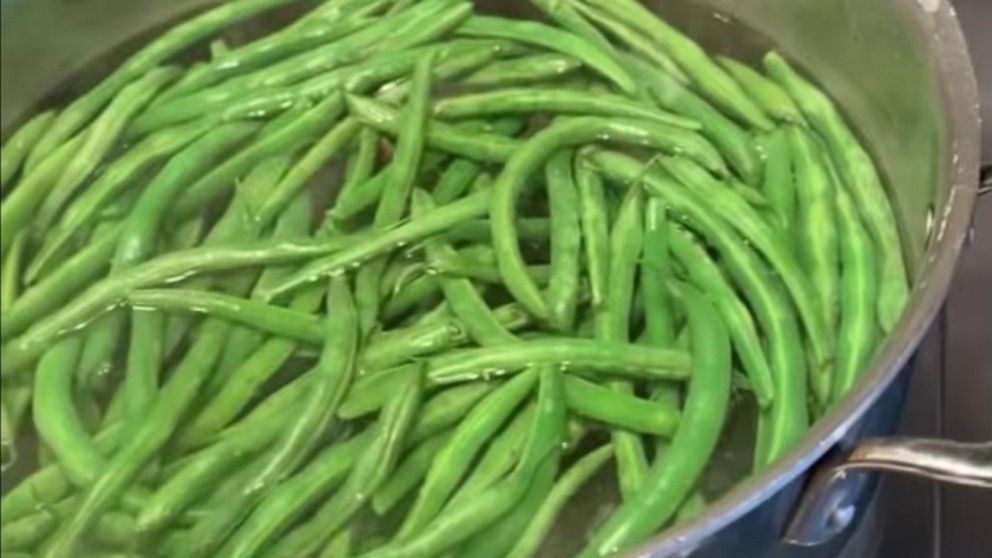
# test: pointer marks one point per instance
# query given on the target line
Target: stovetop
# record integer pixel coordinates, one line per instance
(951, 392)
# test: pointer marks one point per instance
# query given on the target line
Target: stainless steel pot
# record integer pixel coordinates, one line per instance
(900, 70)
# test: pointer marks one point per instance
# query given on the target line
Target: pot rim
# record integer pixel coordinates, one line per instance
(959, 90)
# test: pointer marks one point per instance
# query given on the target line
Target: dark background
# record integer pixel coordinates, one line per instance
(951, 394)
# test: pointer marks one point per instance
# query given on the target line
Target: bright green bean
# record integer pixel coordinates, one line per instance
(532, 32)
(534, 68)
(17, 148)
(767, 94)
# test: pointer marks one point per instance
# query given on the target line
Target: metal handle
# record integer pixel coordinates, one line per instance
(829, 504)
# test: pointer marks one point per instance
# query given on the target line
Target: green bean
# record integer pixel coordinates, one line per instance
(397, 189)
(289, 41)
(674, 476)
(566, 245)
(293, 134)
(184, 487)
(656, 271)
(359, 197)
(634, 40)
(708, 77)
(17, 148)
(817, 236)
(786, 422)
(778, 183)
(288, 71)
(48, 485)
(380, 242)
(362, 160)
(605, 357)
(177, 39)
(11, 276)
(56, 416)
(612, 323)
(104, 294)
(771, 243)
(571, 482)
(767, 94)
(534, 68)
(498, 539)
(706, 276)
(858, 333)
(860, 177)
(595, 232)
(370, 472)
(26, 532)
(141, 228)
(150, 434)
(618, 409)
(8, 437)
(293, 224)
(531, 32)
(290, 499)
(458, 524)
(297, 177)
(455, 459)
(99, 138)
(536, 151)
(729, 138)
(19, 207)
(408, 474)
(499, 459)
(440, 136)
(332, 379)
(283, 322)
(571, 19)
(555, 100)
(530, 229)
(119, 175)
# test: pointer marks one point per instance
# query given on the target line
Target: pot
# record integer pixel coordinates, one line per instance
(900, 71)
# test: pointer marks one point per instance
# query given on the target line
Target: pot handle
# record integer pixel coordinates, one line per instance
(828, 505)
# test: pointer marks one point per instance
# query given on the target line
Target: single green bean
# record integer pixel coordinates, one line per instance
(706, 276)
(534, 68)
(767, 94)
(410, 472)
(612, 323)
(858, 333)
(619, 409)
(554, 100)
(381, 242)
(308, 165)
(609, 358)
(17, 148)
(778, 183)
(532, 32)
(440, 136)
(566, 244)
(397, 189)
(564, 489)
(817, 237)
(861, 179)
(455, 459)
(673, 477)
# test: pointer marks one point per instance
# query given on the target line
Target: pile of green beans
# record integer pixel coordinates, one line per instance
(401, 279)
